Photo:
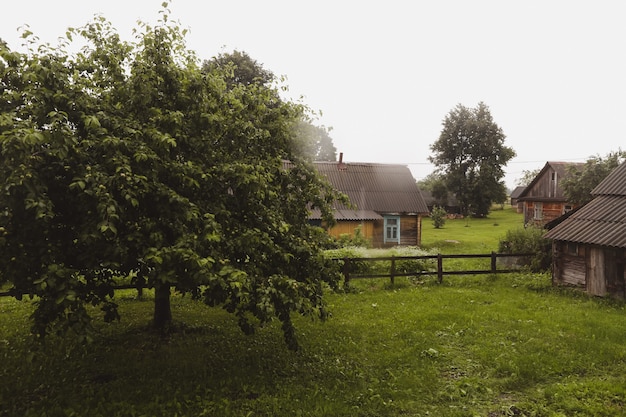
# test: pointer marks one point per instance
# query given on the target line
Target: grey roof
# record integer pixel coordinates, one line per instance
(518, 191)
(614, 183)
(602, 221)
(374, 188)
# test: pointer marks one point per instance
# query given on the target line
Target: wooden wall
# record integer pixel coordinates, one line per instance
(550, 212)
(410, 232)
(348, 227)
(600, 270)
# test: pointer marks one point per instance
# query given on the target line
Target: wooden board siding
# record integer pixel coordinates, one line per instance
(615, 278)
(572, 270)
(348, 227)
(409, 232)
(596, 273)
(550, 212)
(569, 268)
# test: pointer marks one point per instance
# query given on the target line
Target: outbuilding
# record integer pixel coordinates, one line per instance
(589, 246)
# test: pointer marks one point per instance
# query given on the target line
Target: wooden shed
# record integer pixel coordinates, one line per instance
(589, 246)
(389, 206)
(543, 199)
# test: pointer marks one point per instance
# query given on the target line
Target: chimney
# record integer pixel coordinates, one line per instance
(341, 166)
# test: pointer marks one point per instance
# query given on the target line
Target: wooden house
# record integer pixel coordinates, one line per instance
(515, 194)
(543, 199)
(388, 205)
(589, 246)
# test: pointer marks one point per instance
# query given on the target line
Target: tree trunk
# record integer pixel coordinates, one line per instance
(162, 309)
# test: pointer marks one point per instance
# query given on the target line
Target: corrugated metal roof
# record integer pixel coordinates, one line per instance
(602, 221)
(381, 188)
(614, 183)
(347, 214)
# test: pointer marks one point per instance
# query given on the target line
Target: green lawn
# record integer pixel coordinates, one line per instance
(471, 235)
(490, 346)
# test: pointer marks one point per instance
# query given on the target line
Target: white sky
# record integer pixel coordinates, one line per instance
(385, 74)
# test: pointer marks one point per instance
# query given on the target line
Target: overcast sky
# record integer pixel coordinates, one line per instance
(385, 74)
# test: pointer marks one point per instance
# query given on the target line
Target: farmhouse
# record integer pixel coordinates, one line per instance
(543, 199)
(589, 246)
(388, 205)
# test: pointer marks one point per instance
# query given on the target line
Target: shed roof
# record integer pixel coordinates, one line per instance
(375, 188)
(602, 221)
(518, 191)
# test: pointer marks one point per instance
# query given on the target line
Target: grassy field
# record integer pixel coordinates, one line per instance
(490, 346)
(471, 235)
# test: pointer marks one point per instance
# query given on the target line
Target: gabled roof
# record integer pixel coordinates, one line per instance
(374, 189)
(518, 191)
(562, 170)
(602, 221)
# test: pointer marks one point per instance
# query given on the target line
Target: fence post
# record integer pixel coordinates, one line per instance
(346, 271)
(392, 272)
(493, 262)
(440, 267)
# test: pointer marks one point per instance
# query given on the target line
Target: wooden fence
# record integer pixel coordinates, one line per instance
(350, 265)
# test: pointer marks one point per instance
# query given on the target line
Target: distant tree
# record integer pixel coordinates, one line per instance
(314, 142)
(527, 177)
(241, 69)
(126, 160)
(470, 154)
(577, 186)
(436, 185)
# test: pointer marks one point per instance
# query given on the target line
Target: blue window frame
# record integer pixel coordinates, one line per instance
(392, 229)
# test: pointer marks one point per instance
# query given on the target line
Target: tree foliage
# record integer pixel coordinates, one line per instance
(579, 183)
(313, 142)
(471, 155)
(127, 160)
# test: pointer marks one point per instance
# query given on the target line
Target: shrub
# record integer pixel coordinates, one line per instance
(357, 239)
(529, 240)
(438, 216)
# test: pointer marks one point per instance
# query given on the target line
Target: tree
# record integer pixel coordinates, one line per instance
(313, 142)
(579, 183)
(527, 177)
(470, 153)
(127, 160)
(242, 69)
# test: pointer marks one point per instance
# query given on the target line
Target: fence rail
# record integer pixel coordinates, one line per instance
(393, 273)
(440, 272)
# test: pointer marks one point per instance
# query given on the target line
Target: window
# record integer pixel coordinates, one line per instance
(392, 229)
(538, 213)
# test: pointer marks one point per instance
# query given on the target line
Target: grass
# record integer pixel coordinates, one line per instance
(471, 235)
(483, 346)
(491, 346)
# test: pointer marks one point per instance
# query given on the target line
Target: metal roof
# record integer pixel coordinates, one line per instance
(614, 183)
(602, 221)
(376, 188)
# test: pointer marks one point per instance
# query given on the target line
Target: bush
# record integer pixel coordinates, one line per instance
(529, 240)
(438, 216)
(346, 240)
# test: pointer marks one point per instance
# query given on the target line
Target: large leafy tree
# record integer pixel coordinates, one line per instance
(471, 155)
(577, 186)
(313, 142)
(127, 160)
